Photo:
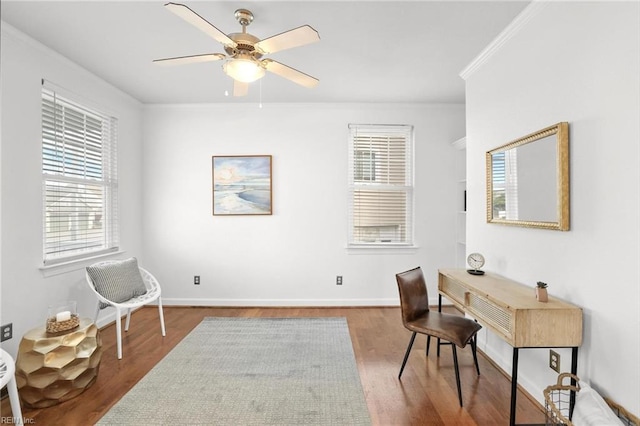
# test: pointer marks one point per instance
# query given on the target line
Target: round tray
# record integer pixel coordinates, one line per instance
(55, 327)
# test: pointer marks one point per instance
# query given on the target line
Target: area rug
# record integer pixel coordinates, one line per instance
(251, 371)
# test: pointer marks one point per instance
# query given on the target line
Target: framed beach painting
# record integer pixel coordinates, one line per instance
(241, 184)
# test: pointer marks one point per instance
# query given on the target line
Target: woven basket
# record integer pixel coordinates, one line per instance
(55, 327)
(557, 400)
(626, 417)
(557, 403)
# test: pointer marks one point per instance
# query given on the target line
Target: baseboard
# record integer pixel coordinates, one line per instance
(177, 301)
(110, 317)
(107, 319)
(278, 302)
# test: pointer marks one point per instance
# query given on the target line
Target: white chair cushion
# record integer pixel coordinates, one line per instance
(592, 410)
(119, 281)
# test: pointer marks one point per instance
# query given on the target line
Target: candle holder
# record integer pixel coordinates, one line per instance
(62, 317)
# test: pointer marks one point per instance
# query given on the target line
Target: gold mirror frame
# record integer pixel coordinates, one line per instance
(561, 130)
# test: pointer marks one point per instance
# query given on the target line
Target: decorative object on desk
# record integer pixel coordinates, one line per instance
(475, 261)
(541, 292)
(242, 185)
(62, 317)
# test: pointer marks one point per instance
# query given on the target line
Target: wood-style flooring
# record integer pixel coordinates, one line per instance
(426, 395)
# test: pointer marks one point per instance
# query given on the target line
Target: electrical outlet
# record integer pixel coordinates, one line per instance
(339, 280)
(6, 332)
(196, 279)
(554, 361)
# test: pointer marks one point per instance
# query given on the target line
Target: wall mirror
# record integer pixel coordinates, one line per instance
(528, 180)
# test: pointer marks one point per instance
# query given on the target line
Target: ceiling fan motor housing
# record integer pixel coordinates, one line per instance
(244, 44)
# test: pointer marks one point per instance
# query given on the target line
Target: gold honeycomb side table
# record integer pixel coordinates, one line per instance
(52, 368)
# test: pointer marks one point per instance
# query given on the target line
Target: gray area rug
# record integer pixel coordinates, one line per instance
(251, 371)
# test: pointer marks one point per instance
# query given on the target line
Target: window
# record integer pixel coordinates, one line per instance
(499, 201)
(79, 180)
(380, 185)
(504, 171)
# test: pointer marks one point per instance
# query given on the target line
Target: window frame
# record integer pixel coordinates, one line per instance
(389, 186)
(78, 154)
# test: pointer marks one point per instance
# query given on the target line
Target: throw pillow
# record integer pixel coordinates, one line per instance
(118, 281)
(591, 409)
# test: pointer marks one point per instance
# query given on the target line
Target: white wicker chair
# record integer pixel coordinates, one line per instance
(153, 293)
(7, 377)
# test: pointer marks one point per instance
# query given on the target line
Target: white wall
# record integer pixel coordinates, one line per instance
(293, 256)
(289, 258)
(575, 62)
(26, 291)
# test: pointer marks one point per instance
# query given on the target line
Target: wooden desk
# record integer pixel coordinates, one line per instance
(511, 310)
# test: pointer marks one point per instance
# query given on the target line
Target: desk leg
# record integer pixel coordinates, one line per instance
(574, 371)
(514, 387)
(439, 310)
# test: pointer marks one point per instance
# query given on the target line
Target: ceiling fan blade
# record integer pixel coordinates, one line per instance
(292, 38)
(192, 59)
(290, 73)
(199, 22)
(240, 88)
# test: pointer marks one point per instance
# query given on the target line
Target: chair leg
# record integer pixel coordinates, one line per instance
(439, 344)
(406, 355)
(428, 344)
(455, 364)
(161, 316)
(119, 333)
(95, 320)
(474, 345)
(14, 400)
(126, 324)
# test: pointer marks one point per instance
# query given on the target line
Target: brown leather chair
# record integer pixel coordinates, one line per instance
(456, 330)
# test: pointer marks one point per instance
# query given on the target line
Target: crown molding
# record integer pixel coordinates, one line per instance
(509, 32)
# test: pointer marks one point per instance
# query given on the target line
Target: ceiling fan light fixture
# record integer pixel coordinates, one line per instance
(246, 70)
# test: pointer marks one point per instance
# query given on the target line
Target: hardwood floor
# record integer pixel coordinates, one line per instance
(426, 395)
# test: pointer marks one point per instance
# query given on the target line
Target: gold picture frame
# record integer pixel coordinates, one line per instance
(528, 180)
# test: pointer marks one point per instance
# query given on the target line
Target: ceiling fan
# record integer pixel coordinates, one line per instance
(244, 51)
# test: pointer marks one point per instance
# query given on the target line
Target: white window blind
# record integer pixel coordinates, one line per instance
(380, 185)
(499, 202)
(511, 178)
(79, 179)
(504, 171)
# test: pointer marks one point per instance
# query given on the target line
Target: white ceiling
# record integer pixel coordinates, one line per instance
(376, 51)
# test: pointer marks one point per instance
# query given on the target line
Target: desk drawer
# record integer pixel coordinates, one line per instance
(499, 318)
(453, 290)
